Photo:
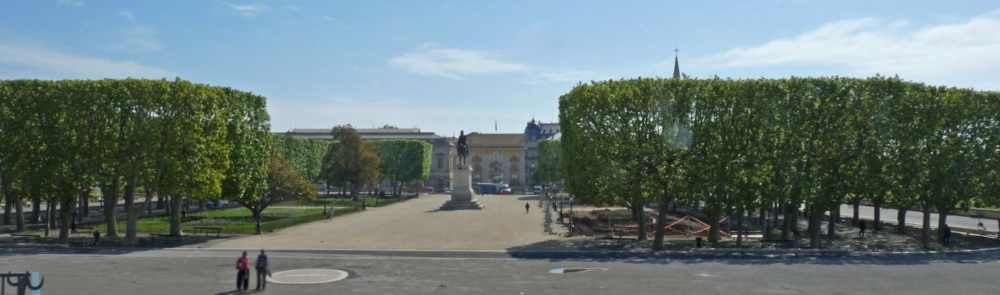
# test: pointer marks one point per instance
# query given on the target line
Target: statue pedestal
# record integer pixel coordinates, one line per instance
(462, 196)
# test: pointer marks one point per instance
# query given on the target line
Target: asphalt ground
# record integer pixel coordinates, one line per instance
(195, 271)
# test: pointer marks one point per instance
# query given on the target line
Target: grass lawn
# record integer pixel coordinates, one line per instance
(341, 202)
(236, 220)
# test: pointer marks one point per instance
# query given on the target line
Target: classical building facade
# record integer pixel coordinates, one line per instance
(442, 153)
(497, 157)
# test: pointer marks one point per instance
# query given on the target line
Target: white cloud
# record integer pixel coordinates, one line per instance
(73, 66)
(73, 3)
(139, 39)
(964, 53)
(453, 63)
(127, 14)
(249, 10)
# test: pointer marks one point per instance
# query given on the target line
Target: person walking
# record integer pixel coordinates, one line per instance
(946, 235)
(243, 272)
(527, 207)
(861, 225)
(263, 271)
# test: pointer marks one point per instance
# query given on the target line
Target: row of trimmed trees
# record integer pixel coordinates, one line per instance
(353, 164)
(776, 146)
(175, 140)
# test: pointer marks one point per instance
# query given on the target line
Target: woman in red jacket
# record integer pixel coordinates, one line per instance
(243, 272)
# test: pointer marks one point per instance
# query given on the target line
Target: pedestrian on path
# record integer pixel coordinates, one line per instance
(946, 235)
(861, 225)
(263, 271)
(243, 272)
(527, 207)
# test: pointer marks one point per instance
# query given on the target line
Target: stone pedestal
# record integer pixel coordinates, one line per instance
(462, 196)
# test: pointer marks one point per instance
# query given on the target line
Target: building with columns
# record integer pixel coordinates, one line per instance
(498, 158)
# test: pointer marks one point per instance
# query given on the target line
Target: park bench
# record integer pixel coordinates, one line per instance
(208, 229)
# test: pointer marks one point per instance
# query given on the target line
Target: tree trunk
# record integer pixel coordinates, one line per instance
(8, 201)
(789, 221)
(175, 215)
(50, 218)
(148, 197)
(815, 216)
(763, 221)
(901, 220)
(661, 221)
(256, 218)
(19, 214)
(739, 226)
(713, 223)
(36, 209)
(159, 201)
(831, 225)
(877, 223)
(110, 204)
(642, 223)
(65, 212)
(925, 230)
(857, 211)
(130, 212)
(942, 221)
(85, 202)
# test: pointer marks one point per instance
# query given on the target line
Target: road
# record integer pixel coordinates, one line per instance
(916, 218)
(211, 272)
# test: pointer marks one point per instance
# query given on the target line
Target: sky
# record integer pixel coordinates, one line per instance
(445, 66)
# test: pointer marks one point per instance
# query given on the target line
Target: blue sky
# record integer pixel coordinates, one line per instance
(449, 65)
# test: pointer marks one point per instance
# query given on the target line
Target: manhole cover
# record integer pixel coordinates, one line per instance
(307, 276)
(565, 270)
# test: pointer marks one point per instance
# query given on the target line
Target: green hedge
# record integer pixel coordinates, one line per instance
(739, 145)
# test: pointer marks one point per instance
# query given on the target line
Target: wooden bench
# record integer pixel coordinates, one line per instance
(208, 229)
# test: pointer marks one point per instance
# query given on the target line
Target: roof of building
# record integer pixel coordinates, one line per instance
(495, 139)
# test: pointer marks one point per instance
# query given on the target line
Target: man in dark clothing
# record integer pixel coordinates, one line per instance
(526, 207)
(946, 235)
(861, 225)
(263, 270)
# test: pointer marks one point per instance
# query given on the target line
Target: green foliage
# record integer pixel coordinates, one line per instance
(403, 161)
(176, 138)
(549, 164)
(350, 161)
(305, 155)
(742, 144)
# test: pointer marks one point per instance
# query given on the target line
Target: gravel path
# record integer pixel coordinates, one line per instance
(414, 225)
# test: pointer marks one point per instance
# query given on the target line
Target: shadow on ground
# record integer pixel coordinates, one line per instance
(107, 246)
(632, 251)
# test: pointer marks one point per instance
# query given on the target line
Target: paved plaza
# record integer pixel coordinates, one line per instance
(416, 225)
(211, 272)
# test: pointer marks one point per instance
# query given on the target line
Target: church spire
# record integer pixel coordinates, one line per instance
(677, 67)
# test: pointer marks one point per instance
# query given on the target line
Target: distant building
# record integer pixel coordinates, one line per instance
(497, 157)
(534, 133)
(442, 152)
